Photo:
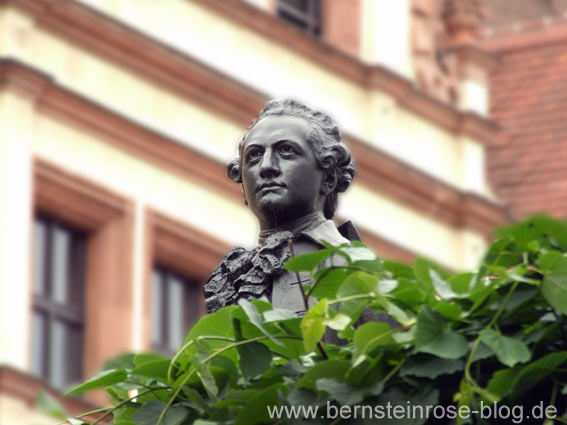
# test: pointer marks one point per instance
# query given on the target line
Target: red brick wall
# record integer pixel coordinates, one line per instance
(528, 166)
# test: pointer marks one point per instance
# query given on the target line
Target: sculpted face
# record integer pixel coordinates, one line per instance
(280, 175)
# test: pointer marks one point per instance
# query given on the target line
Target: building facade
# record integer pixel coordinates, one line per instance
(116, 120)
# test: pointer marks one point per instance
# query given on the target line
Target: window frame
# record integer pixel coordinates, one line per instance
(70, 314)
(191, 306)
(108, 220)
(309, 22)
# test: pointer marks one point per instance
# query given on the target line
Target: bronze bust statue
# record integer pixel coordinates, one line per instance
(292, 165)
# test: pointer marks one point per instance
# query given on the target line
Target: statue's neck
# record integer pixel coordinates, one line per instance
(295, 226)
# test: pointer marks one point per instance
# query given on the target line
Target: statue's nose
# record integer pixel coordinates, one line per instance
(269, 167)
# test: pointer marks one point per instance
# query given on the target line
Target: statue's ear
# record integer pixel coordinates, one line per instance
(244, 194)
(329, 183)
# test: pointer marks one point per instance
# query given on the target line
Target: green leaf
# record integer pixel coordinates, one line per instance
(431, 367)
(509, 351)
(433, 339)
(214, 324)
(554, 287)
(307, 262)
(255, 358)
(101, 379)
(462, 283)
(369, 336)
(206, 377)
(335, 368)
(256, 319)
(122, 361)
(357, 283)
(339, 322)
(370, 266)
(278, 315)
(398, 270)
(548, 260)
(554, 230)
(409, 292)
(386, 286)
(150, 412)
(422, 271)
(450, 310)
(156, 370)
(328, 282)
(533, 373)
(143, 358)
(344, 393)
(500, 383)
(442, 287)
(358, 253)
(448, 345)
(255, 410)
(49, 405)
(313, 325)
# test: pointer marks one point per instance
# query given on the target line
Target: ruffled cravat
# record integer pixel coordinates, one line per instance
(250, 274)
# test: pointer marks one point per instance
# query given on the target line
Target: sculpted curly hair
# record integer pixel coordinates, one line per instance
(331, 153)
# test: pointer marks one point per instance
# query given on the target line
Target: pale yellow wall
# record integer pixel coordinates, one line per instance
(16, 123)
(14, 411)
(411, 229)
(385, 35)
(474, 96)
(261, 4)
(87, 156)
(244, 55)
(473, 170)
(187, 201)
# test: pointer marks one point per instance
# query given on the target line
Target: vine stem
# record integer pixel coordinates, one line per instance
(189, 344)
(209, 358)
(305, 298)
(123, 402)
(386, 379)
(476, 343)
(331, 268)
(92, 412)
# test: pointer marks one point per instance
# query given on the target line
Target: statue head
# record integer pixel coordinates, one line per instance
(291, 163)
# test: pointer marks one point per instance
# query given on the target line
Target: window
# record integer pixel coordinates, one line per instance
(175, 306)
(58, 294)
(303, 14)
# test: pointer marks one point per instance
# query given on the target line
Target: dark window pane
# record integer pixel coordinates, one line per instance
(38, 343)
(193, 297)
(74, 355)
(60, 265)
(57, 359)
(156, 313)
(175, 306)
(303, 14)
(39, 258)
(175, 316)
(294, 20)
(301, 5)
(57, 318)
(77, 271)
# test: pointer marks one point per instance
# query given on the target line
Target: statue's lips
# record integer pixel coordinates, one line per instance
(269, 186)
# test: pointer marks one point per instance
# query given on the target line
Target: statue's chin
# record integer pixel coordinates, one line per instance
(273, 213)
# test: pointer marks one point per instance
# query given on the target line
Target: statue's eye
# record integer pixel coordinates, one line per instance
(285, 150)
(254, 154)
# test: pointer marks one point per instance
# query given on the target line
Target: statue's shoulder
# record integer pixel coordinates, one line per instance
(327, 231)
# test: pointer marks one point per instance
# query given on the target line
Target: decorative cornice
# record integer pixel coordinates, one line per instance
(531, 35)
(375, 169)
(368, 76)
(188, 77)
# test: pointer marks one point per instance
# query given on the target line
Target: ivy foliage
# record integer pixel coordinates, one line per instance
(498, 334)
